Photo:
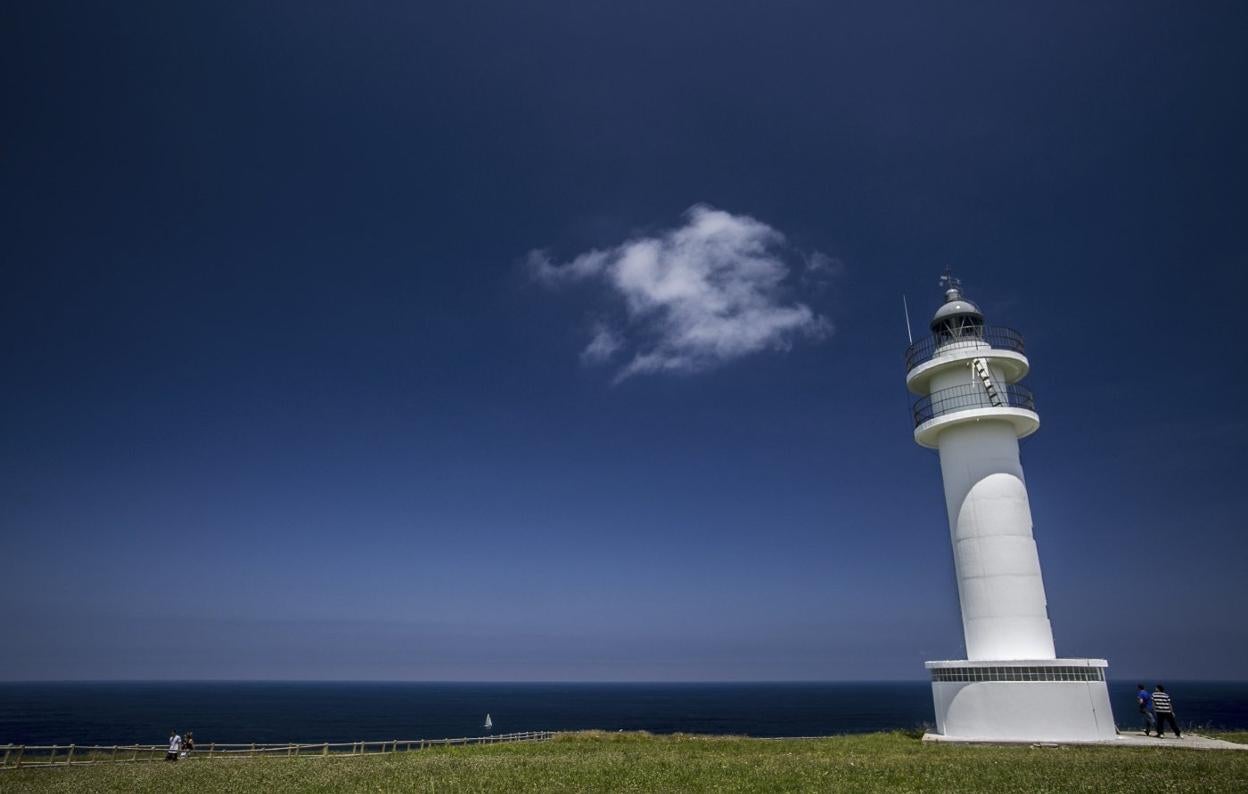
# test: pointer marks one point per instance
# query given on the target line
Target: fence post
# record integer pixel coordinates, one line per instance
(20, 750)
(211, 747)
(253, 749)
(8, 748)
(52, 754)
(69, 759)
(325, 749)
(135, 756)
(114, 756)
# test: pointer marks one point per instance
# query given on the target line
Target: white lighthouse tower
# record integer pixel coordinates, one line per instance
(973, 410)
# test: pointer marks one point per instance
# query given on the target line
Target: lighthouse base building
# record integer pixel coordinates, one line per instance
(973, 410)
(1022, 700)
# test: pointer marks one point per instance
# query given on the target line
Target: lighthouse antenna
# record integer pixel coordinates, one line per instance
(906, 308)
(950, 281)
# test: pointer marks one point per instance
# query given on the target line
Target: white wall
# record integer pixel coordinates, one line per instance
(1004, 609)
(1032, 711)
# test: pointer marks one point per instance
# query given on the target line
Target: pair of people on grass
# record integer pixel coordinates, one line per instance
(1157, 709)
(179, 747)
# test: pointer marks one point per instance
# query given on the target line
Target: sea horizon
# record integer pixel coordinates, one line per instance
(266, 710)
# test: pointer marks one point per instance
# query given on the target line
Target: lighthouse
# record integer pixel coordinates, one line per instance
(973, 409)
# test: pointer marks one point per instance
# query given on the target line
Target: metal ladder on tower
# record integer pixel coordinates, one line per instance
(980, 366)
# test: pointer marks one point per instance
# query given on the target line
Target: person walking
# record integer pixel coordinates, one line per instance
(175, 744)
(1164, 709)
(188, 744)
(1145, 702)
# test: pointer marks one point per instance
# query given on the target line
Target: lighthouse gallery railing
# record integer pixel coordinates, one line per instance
(996, 336)
(970, 397)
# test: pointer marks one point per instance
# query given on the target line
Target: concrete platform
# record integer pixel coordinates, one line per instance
(1190, 741)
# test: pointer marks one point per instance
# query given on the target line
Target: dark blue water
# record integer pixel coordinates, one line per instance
(118, 713)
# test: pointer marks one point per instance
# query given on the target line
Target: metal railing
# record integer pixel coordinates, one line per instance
(970, 397)
(28, 755)
(995, 336)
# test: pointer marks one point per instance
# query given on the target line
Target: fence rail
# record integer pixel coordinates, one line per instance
(969, 397)
(31, 755)
(995, 336)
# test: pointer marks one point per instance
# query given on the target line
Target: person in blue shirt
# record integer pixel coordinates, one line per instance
(1146, 708)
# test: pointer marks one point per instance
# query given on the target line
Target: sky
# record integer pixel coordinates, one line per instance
(563, 341)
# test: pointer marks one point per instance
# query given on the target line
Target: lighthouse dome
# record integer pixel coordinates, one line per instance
(956, 311)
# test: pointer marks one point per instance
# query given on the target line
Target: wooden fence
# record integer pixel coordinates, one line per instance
(28, 755)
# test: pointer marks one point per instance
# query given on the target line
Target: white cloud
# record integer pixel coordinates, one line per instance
(694, 297)
(604, 344)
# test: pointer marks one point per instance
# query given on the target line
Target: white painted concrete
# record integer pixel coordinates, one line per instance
(1024, 422)
(1037, 711)
(1052, 711)
(1022, 700)
(1008, 365)
(1004, 610)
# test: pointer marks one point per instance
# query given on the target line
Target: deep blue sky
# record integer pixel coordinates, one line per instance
(281, 397)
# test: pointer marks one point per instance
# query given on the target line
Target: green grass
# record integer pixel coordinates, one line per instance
(891, 762)
(1239, 737)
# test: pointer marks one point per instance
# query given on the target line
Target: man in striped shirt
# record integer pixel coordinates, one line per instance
(1164, 710)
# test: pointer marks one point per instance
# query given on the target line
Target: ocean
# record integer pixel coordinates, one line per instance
(125, 712)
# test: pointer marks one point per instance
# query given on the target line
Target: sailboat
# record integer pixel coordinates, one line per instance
(489, 723)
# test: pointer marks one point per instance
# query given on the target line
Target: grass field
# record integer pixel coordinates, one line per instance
(891, 762)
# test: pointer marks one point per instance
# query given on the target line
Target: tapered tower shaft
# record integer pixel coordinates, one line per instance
(1004, 613)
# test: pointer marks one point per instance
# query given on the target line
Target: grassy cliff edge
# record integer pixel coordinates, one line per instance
(596, 761)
